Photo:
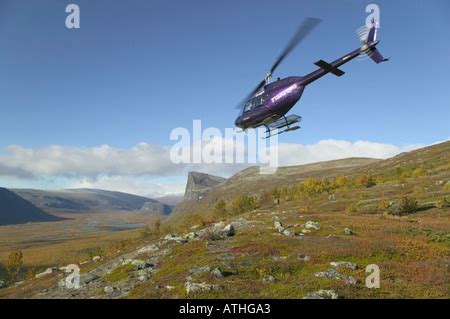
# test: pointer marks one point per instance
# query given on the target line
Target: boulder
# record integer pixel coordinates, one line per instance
(87, 278)
(278, 226)
(348, 231)
(2, 284)
(345, 264)
(312, 225)
(96, 258)
(140, 264)
(192, 287)
(329, 273)
(304, 258)
(229, 230)
(322, 294)
(175, 238)
(142, 278)
(267, 279)
(148, 249)
(350, 280)
(217, 273)
(108, 290)
(48, 271)
(200, 270)
(289, 232)
(190, 236)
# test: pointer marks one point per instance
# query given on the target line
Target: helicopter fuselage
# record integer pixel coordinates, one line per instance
(278, 97)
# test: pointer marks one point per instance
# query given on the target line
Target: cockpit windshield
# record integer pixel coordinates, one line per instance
(252, 103)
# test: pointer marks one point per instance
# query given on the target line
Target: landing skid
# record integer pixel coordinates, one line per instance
(283, 122)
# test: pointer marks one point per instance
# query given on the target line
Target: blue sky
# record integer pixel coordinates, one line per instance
(137, 69)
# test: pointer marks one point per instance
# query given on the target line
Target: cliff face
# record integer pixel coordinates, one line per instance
(198, 185)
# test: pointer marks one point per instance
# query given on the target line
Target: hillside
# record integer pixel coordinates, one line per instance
(250, 181)
(16, 210)
(90, 200)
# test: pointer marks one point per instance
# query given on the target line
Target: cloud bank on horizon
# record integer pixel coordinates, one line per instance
(146, 169)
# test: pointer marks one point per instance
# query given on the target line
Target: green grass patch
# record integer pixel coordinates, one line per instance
(119, 274)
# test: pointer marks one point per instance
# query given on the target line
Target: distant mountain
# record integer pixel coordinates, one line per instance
(171, 200)
(90, 200)
(157, 208)
(16, 210)
(198, 185)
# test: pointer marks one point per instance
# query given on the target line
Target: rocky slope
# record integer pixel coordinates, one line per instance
(16, 210)
(313, 247)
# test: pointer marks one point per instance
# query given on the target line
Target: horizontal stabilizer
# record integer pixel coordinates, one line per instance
(329, 68)
(376, 56)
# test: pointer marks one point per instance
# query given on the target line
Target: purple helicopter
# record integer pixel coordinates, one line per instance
(269, 102)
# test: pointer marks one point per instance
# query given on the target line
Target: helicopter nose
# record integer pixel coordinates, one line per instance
(237, 123)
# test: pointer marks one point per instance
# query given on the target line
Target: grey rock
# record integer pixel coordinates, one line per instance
(88, 278)
(332, 273)
(217, 273)
(200, 270)
(267, 279)
(348, 231)
(304, 258)
(289, 232)
(2, 284)
(192, 287)
(142, 278)
(108, 290)
(175, 238)
(96, 258)
(229, 230)
(278, 226)
(345, 264)
(329, 273)
(350, 280)
(48, 271)
(312, 225)
(322, 294)
(191, 236)
(148, 249)
(140, 264)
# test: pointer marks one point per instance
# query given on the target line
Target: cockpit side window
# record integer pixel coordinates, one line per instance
(252, 103)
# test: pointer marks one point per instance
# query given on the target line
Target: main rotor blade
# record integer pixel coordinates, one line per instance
(256, 89)
(304, 29)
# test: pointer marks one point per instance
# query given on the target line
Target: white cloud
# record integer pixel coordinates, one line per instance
(69, 161)
(131, 185)
(325, 150)
(135, 170)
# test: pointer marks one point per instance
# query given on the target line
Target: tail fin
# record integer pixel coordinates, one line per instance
(369, 44)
